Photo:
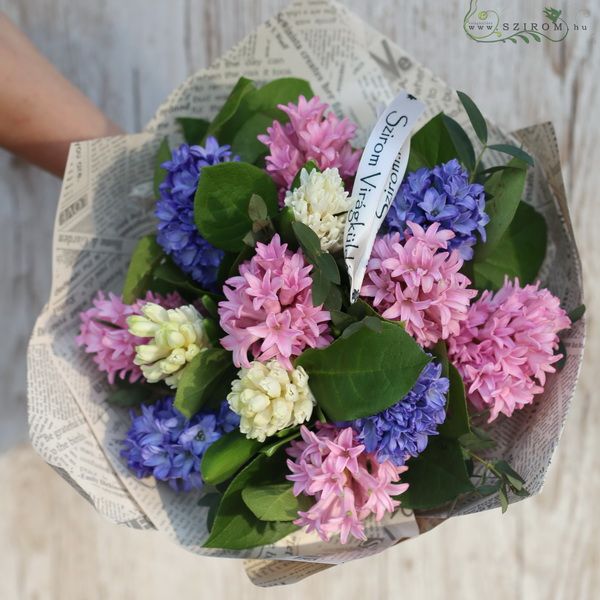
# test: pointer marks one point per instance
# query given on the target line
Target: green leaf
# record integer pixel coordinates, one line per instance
(236, 527)
(431, 145)
(513, 151)
(245, 142)
(283, 224)
(211, 501)
(334, 299)
(344, 375)
(513, 477)
(171, 277)
(311, 165)
(309, 240)
(327, 264)
(503, 499)
(519, 253)
(278, 91)
(341, 320)
(321, 286)
(230, 117)
(193, 129)
(475, 116)
(249, 111)
(210, 306)
(206, 379)
(476, 441)
(440, 351)
(128, 397)
(259, 109)
(457, 415)
(163, 155)
(145, 258)
(222, 202)
(437, 476)
(275, 502)
(488, 489)
(257, 208)
(361, 309)
(224, 458)
(270, 449)
(461, 141)
(577, 313)
(506, 189)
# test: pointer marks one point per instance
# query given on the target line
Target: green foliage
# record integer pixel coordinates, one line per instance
(211, 501)
(344, 374)
(284, 438)
(504, 480)
(275, 502)
(222, 202)
(437, 476)
(461, 141)
(506, 189)
(233, 113)
(236, 527)
(193, 129)
(225, 457)
(245, 143)
(162, 155)
(475, 116)
(206, 380)
(513, 151)
(457, 416)
(577, 313)
(325, 273)
(249, 110)
(146, 256)
(168, 277)
(519, 253)
(431, 145)
(130, 395)
(310, 166)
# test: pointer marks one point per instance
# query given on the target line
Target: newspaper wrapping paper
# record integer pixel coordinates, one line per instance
(106, 205)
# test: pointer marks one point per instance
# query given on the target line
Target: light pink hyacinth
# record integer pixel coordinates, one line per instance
(104, 332)
(269, 310)
(309, 135)
(417, 281)
(347, 482)
(506, 346)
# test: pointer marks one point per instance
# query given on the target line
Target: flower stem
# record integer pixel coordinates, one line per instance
(474, 172)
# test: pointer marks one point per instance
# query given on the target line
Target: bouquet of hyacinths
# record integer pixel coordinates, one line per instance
(249, 373)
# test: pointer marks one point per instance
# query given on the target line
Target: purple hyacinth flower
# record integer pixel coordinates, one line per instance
(177, 231)
(443, 195)
(403, 429)
(163, 443)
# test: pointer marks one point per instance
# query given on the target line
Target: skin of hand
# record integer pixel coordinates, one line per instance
(41, 112)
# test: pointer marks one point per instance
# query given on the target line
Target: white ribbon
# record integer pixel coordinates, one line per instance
(380, 172)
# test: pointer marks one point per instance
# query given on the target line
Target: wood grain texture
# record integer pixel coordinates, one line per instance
(127, 56)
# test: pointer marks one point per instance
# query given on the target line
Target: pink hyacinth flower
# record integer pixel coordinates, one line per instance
(347, 482)
(417, 281)
(507, 345)
(104, 332)
(268, 311)
(309, 135)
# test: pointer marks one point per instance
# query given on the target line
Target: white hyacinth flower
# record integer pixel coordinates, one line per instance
(269, 398)
(321, 203)
(177, 337)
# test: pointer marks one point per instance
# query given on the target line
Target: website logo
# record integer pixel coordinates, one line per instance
(488, 26)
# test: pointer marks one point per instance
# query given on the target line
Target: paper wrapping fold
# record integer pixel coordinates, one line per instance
(105, 206)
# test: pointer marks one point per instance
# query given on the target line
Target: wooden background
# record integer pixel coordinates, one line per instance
(127, 56)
